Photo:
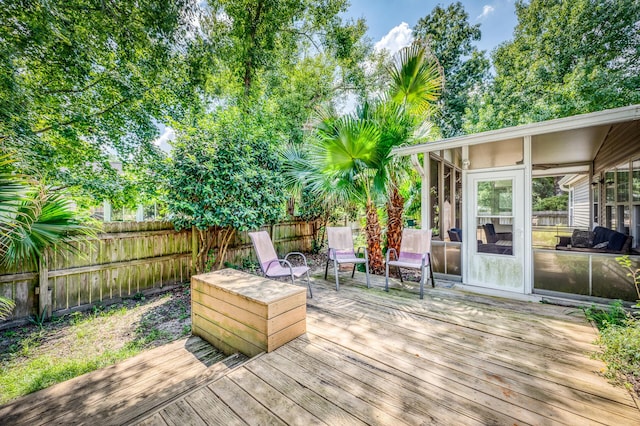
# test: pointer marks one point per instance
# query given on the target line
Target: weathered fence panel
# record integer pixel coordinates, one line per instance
(128, 258)
(550, 218)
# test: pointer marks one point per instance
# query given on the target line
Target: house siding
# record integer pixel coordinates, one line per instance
(580, 217)
(620, 144)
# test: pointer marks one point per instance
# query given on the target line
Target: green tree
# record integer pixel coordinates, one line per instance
(83, 80)
(566, 58)
(339, 164)
(449, 35)
(403, 118)
(224, 177)
(254, 42)
(350, 157)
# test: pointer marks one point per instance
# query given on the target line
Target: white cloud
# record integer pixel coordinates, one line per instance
(399, 37)
(163, 140)
(486, 11)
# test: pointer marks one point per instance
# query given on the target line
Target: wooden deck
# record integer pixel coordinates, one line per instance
(375, 358)
(124, 392)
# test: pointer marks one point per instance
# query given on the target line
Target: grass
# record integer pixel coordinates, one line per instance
(42, 354)
(44, 371)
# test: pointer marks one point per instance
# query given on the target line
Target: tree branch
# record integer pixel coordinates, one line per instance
(83, 89)
(95, 114)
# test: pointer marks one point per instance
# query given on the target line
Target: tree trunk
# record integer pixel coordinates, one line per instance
(395, 209)
(374, 233)
(228, 234)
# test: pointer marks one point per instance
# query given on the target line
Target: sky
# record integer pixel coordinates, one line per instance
(390, 21)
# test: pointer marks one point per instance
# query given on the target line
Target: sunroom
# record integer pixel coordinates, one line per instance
(477, 199)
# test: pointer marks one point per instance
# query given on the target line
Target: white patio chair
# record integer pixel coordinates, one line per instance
(341, 251)
(271, 265)
(415, 253)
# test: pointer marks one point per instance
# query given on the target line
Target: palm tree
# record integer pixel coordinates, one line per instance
(33, 218)
(350, 158)
(340, 165)
(416, 81)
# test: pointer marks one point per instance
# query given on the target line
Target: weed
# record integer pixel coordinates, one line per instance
(39, 319)
(250, 265)
(97, 309)
(29, 344)
(75, 318)
(621, 350)
(604, 318)
(231, 265)
(9, 334)
(186, 330)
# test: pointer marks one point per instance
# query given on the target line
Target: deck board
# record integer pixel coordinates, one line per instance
(368, 357)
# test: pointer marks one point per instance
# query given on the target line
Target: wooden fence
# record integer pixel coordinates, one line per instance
(125, 259)
(550, 218)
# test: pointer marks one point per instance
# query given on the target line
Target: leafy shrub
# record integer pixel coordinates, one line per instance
(621, 351)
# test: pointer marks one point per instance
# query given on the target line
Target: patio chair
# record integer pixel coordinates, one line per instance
(415, 253)
(455, 234)
(272, 266)
(341, 251)
(493, 236)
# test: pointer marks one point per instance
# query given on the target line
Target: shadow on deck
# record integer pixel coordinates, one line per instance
(368, 357)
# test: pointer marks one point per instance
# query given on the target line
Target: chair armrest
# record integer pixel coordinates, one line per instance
(281, 262)
(389, 253)
(364, 249)
(331, 254)
(296, 253)
(508, 236)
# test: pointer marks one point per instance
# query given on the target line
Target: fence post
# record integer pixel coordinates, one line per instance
(194, 250)
(44, 305)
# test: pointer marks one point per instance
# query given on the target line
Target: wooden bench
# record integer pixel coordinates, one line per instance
(240, 312)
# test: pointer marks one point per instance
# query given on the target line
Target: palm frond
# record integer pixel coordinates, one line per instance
(6, 307)
(45, 219)
(417, 79)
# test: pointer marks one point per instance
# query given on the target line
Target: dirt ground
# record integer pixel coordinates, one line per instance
(148, 321)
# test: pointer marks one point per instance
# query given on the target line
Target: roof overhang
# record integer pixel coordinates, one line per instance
(561, 134)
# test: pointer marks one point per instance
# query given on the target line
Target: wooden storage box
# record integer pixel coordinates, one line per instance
(240, 312)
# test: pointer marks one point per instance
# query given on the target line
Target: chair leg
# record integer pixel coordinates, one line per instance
(366, 268)
(433, 283)
(400, 273)
(354, 270)
(309, 285)
(326, 268)
(386, 277)
(422, 274)
(335, 269)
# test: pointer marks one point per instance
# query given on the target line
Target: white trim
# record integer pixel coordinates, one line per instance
(611, 116)
(497, 293)
(425, 207)
(528, 216)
